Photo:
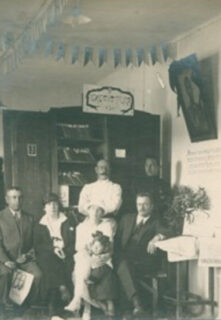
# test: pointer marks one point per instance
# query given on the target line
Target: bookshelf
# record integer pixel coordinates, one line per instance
(80, 142)
(68, 143)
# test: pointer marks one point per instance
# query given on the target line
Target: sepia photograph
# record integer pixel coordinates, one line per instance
(110, 160)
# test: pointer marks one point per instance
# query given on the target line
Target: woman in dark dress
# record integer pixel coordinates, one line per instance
(54, 243)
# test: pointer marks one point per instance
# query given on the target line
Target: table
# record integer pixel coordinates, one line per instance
(181, 250)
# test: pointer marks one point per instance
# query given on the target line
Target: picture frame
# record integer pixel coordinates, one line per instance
(192, 96)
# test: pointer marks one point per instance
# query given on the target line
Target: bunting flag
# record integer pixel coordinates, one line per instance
(16, 50)
(73, 54)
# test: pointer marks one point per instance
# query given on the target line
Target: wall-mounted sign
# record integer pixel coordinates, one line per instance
(108, 100)
(32, 150)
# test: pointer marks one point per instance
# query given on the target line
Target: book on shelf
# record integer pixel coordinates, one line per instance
(74, 131)
(68, 154)
(74, 178)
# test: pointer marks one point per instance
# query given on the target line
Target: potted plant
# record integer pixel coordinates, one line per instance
(184, 204)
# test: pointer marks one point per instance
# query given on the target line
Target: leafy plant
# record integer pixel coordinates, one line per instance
(185, 201)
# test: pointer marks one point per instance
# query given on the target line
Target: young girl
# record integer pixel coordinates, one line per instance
(94, 222)
(101, 281)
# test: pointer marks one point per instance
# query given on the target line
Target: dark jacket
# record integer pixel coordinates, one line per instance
(55, 270)
(125, 232)
(15, 241)
(43, 244)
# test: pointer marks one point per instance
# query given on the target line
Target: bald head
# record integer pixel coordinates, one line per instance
(102, 169)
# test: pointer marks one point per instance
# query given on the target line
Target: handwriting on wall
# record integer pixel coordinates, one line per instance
(204, 161)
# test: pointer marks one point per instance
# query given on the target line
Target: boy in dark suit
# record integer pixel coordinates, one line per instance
(135, 250)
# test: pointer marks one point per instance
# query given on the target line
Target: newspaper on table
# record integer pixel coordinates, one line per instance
(210, 252)
(179, 248)
(20, 286)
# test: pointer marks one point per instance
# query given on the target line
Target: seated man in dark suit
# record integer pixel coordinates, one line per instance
(158, 188)
(16, 243)
(135, 251)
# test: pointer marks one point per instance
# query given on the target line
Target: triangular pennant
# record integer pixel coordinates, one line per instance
(102, 56)
(128, 56)
(74, 54)
(87, 55)
(60, 52)
(153, 53)
(140, 56)
(164, 49)
(117, 57)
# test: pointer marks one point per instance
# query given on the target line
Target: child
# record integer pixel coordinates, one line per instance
(101, 281)
(94, 222)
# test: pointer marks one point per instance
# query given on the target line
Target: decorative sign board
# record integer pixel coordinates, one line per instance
(108, 100)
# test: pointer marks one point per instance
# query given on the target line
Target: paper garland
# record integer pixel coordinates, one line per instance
(26, 42)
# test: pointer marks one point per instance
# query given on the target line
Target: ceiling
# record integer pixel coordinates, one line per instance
(115, 23)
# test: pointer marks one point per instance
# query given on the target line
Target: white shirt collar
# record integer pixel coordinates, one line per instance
(103, 180)
(15, 212)
(142, 219)
(44, 219)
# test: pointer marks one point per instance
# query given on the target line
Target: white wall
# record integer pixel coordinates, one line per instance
(199, 163)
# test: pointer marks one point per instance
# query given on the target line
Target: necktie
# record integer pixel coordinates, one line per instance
(139, 226)
(17, 219)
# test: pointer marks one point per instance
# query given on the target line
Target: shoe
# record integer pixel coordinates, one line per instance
(56, 318)
(137, 308)
(65, 295)
(73, 306)
(138, 311)
(87, 311)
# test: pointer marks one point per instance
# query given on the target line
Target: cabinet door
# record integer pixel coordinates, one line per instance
(28, 155)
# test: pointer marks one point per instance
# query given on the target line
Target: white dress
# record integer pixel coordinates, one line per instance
(82, 259)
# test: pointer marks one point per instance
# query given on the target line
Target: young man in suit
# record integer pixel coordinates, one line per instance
(135, 250)
(16, 244)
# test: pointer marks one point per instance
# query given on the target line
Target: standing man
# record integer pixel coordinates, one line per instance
(135, 251)
(153, 184)
(16, 244)
(101, 191)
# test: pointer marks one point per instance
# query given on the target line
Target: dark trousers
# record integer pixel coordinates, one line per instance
(131, 270)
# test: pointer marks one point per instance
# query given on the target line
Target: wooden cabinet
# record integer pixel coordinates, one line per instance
(28, 140)
(57, 151)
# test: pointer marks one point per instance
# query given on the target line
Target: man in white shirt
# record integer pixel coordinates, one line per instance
(101, 191)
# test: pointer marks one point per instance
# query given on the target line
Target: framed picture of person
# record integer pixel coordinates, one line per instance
(197, 108)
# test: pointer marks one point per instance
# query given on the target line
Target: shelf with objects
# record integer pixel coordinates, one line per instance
(80, 143)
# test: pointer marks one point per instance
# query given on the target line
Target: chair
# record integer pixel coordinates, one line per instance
(154, 279)
(151, 282)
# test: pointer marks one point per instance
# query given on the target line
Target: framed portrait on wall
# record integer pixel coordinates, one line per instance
(198, 110)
